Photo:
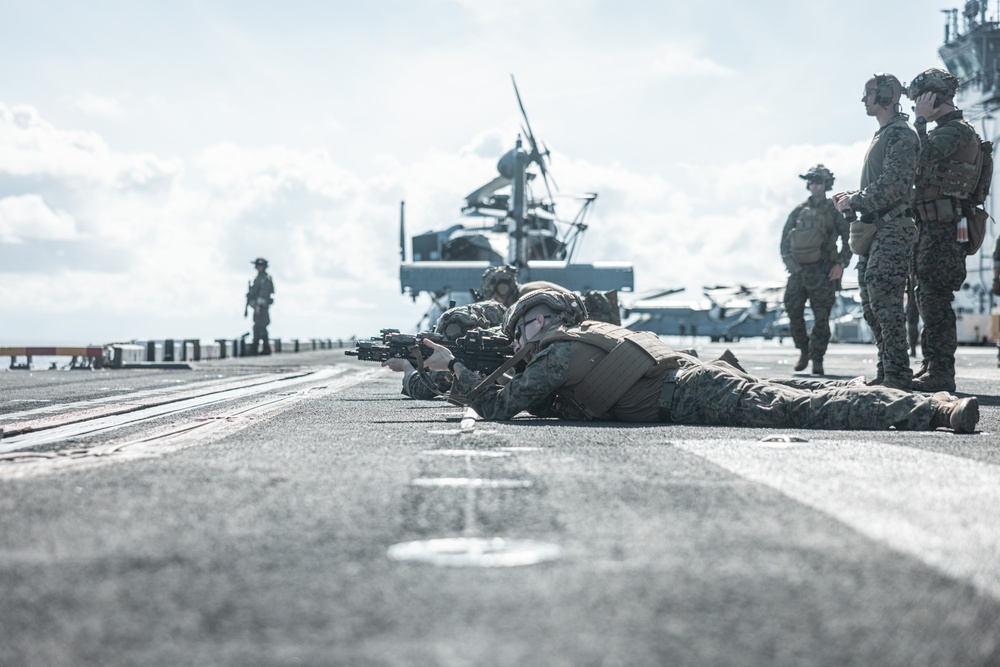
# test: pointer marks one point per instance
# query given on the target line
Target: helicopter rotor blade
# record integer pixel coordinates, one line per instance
(537, 156)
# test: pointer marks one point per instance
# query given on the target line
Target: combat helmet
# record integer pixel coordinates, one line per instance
(456, 322)
(568, 306)
(499, 281)
(818, 173)
(933, 80)
(260, 261)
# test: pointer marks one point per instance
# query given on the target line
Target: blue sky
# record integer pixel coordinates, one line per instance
(149, 151)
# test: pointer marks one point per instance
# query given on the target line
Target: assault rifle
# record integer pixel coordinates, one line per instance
(477, 350)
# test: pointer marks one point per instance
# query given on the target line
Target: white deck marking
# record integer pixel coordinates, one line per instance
(942, 509)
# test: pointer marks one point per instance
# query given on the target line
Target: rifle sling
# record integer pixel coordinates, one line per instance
(465, 400)
(418, 359)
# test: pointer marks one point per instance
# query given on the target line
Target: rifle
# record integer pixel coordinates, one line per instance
(246, 306)
(477, 350)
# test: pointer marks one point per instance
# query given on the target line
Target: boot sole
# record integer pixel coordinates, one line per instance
(965, 415)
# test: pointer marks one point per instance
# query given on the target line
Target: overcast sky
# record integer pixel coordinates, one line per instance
(149, 151)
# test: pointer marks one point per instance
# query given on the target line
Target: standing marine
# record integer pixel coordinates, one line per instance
(884, 235)
(948, 168)
(260, 296)
(815, 266)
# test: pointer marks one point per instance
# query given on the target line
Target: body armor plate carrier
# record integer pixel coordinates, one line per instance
(631, 355)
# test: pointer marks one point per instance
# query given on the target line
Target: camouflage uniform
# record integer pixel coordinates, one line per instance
(453, 324)
(886, 180)
(713, 393)
(259, 297)
(912, 315)
(996, 264)
(939, 258)
(810, 281)
(414, 385)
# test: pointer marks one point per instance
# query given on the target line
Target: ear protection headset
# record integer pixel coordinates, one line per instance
(885, 89)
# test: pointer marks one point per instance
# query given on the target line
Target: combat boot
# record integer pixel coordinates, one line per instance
(803, 361)
(818, 367)
(931, 382)
(896, 383)
(876, 381)
(960, 415)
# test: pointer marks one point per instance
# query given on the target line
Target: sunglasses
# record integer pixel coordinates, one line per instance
(519, 329)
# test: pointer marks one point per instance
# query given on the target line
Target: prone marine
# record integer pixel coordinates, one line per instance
(580, 369)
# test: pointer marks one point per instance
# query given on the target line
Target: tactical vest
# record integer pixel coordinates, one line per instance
(631, 355)
(809, 238)
(941, 183)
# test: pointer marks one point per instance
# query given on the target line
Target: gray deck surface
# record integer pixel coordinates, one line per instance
(256, 530)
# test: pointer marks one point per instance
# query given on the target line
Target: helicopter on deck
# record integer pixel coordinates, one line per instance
(509, 220)
(723, 312)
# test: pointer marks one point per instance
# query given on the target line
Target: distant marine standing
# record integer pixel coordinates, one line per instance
(260, 296)
(815, 266)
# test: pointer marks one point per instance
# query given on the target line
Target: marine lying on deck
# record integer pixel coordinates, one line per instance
(579, 369)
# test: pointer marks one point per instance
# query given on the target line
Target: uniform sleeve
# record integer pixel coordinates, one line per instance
(532, 390)
(786, 239)
(896, 180)
(414, 386)
(941, 143)
(843, 228)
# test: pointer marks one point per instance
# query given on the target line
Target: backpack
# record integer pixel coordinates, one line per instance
(982, 189)
(972, 208)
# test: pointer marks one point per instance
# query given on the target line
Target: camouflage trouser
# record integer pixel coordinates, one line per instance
(939, 264)
(261, 318)
(912, 314)
(717, 394)
(811, 283)
(882, 279)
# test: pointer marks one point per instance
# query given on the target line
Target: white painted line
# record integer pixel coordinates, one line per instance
(943, 510)
(202, 430)
(103, 424)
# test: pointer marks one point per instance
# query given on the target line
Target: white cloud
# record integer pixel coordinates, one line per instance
(332, 235)
(678, 61)
(100, 106)
(27, 217)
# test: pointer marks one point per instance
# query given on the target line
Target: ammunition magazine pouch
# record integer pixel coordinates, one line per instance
(938, 210)
(631, 355)
(976, 217)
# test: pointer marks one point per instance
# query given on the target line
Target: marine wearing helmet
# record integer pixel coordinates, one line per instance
(456, 322)
(818, 174)
(567, 307)
(500, 284)
(934, 80)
